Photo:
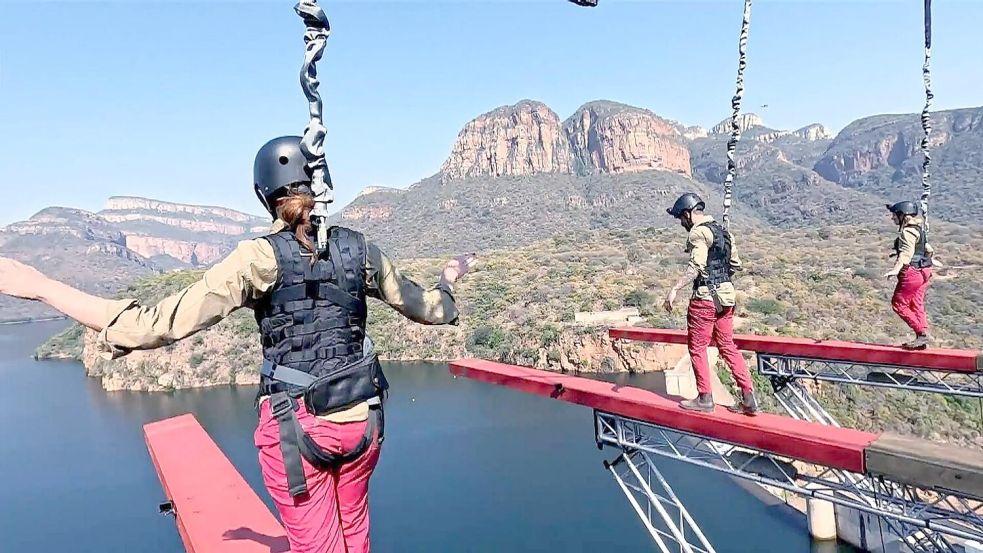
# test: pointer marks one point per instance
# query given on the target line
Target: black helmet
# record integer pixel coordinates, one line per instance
(686, 202)
(904, 208)
(279, 164)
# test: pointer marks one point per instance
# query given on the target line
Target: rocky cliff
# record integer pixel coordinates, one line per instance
(599, 138)
(607, 137)
(74, 246)
(882, 155)
(522, 139)
(745, 121)
(191, 235)
(132, 203)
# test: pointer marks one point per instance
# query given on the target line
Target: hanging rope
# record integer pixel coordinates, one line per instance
(312, 144)
(735, 103)
(926, 120)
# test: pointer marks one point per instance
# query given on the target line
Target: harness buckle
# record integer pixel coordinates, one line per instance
(282, 404)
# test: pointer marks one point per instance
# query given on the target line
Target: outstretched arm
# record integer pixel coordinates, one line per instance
(435, 306)
(125, 325)
(22, 281)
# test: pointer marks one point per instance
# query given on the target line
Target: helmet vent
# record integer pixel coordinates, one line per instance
(283, 160)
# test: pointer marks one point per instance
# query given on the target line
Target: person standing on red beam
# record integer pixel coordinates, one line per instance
(710, 319)
(913, 269)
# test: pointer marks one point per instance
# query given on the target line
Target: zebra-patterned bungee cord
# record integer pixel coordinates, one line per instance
(312, 144)
(926, 119)
(735, 102)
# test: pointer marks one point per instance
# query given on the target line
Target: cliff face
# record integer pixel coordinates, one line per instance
(745, 121)
(606, 137)
(523, 139)
(131, 203)
(882, 155)
(874, 143)
(600, 138)
(190, 234)
(74, 246)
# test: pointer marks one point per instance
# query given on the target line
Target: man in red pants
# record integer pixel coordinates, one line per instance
(913, 269)
(713, 259)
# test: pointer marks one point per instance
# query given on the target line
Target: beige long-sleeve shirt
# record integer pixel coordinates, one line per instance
(698, 245)
(907, 241)
(240, 280)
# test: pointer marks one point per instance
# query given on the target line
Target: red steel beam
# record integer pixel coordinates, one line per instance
(950, 360)
(840, 448)
(217, 511)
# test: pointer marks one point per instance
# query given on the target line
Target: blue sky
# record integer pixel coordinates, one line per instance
(171, 99)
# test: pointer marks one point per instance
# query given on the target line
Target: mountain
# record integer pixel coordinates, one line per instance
(71, 245)
(881, 155)
(612, 138)
(780, 191)
(131, 238)
(190, 235)
(517, 174)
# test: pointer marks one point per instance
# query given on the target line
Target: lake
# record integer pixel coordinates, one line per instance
(465, 467)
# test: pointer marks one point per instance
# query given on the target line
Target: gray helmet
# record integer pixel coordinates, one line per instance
(904, 208)
(686, 202)
(279, 164)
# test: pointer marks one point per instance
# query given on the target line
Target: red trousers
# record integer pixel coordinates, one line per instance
(909, 297)
(334, 516)
(705, 326)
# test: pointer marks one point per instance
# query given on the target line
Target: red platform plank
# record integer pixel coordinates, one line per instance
(953, 360)
(217, 511)
(840, 448)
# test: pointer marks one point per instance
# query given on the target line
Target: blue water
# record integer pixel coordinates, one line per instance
(465, 467)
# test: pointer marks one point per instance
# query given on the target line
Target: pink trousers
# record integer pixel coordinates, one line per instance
(333, 517)
(909, 297)
(705, 326)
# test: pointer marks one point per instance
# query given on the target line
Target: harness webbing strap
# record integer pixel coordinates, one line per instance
(283, 408)
(286, 375)
(735, 102)
(926, 119)
(295, 444)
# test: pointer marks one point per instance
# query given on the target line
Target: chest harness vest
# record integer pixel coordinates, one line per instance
(312, 326)
(920, 259)
(719, 270)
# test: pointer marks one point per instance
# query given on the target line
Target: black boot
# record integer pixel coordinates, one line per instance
(703, 403)
(920, 342)
(748, 405)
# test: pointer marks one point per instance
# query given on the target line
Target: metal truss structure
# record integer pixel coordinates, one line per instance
(782, 368)
(921, 519)
(784, 373)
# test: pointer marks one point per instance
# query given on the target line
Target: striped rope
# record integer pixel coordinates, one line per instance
(926, 119)
(312, 144)
(735, 103)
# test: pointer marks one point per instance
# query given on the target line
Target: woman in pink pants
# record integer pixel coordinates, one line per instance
(321, 386)
(913, 269)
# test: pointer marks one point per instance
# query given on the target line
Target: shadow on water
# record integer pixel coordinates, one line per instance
(465, 467)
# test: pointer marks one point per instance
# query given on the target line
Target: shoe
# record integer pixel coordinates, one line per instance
(920, 342)
(702, 403)
(747, 406)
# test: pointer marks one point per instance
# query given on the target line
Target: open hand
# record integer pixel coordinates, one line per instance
(670, 298)
(460, 266)
(19, 280)
(890, 274)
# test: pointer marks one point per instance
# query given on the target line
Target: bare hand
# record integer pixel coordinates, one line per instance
(460, 266)
(891, 273)
(670, 298)
(19, 280)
